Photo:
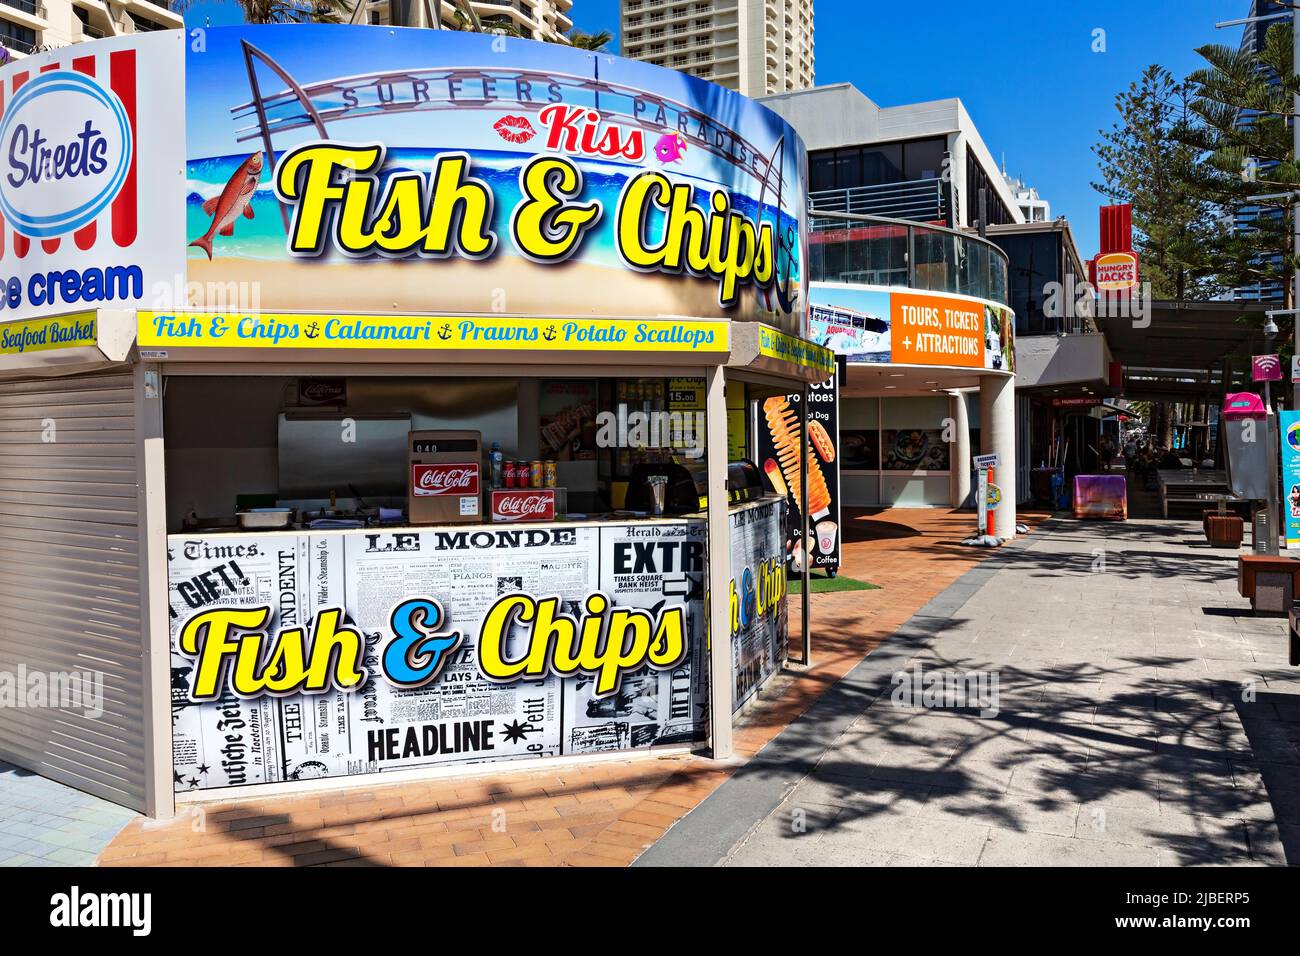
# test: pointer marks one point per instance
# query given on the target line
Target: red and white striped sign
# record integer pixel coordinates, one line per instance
(115, 71)
(92, 185)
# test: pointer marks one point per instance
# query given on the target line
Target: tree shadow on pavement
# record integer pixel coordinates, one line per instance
(1130, 753)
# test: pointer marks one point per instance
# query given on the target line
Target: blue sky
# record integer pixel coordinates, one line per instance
(1024, 68)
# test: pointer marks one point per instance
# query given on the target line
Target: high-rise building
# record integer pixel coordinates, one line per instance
(757, 47)
(1032, 206)
(536, 19)
(1245, 218)
(30, 25)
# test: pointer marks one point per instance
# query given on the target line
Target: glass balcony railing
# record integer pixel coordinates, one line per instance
(896, 252)
(921, 199)
(34, 7)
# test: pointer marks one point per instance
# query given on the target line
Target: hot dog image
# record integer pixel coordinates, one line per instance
(788, 438)
(821, 441)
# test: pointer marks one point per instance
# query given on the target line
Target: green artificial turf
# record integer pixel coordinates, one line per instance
(824, 584)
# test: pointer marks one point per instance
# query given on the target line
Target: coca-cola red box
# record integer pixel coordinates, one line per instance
(523, 504)
(452, 478)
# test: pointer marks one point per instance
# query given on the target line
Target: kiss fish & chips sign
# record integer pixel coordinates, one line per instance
(457, 168)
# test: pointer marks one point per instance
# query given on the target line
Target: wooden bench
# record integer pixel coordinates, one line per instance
(1270, 583)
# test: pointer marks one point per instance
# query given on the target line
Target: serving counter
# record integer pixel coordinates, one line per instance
(466, 714)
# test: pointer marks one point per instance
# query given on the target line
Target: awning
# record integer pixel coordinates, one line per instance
(761, 348)
(1184, 335)
(462, 341)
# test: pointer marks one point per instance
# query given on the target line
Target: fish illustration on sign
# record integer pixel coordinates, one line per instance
(671, 148)
(232, 203)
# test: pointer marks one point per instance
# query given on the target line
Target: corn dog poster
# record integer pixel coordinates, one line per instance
(462, 172)
(780, 441)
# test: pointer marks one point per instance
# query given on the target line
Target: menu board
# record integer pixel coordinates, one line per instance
(759, 617)
(779, 449)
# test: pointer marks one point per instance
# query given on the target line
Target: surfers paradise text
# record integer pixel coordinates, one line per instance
(339, 200)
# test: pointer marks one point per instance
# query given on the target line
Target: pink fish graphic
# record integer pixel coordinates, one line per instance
(671, 148)
(232, 203)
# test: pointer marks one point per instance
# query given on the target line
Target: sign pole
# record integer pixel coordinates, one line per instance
(990, 514)
(721, 678)
(805, 613)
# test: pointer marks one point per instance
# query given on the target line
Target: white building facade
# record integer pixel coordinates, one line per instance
(757, 47)
(30, 25)
(536, 19)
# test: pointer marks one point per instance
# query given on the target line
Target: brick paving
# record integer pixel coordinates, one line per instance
(1143, 718)
(596, 814)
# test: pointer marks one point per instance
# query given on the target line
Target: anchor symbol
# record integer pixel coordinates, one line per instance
(312, 330)
(444, 333)
(549, 334)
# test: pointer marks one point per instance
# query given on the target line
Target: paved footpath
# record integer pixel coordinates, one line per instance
(43, 823)
(591, 814)
(1143, 718)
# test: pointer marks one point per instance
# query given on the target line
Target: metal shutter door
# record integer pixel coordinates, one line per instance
(70, 578)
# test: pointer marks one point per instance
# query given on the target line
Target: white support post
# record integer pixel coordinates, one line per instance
(160, 798)
(805, 598)
(998, 436)
(959, 459)
(721, 675)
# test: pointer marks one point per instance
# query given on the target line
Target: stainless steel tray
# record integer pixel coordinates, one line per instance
(265, 520)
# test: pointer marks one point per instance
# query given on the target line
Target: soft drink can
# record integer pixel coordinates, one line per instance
(536, 473)
(550, 474)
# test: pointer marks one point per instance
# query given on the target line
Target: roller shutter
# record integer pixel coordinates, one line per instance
(70, 577)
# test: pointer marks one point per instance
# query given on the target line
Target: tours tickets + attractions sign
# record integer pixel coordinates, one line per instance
(91, 174)
(463, 172)
(869, 324)
(324, 654)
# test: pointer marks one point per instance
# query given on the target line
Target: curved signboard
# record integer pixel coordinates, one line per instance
(378, 170)
(884, 325)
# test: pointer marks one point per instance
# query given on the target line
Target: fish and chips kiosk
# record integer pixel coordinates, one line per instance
(332, 463)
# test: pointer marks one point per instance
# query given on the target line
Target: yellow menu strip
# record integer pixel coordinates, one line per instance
(283, 330)
(42, 335)
(778, 345)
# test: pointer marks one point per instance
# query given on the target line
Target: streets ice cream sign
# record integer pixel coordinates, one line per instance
(67, 145)
(90, 175)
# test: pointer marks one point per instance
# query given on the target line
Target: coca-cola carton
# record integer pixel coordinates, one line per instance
(523, 504)
(446, 475)
(459, 478)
